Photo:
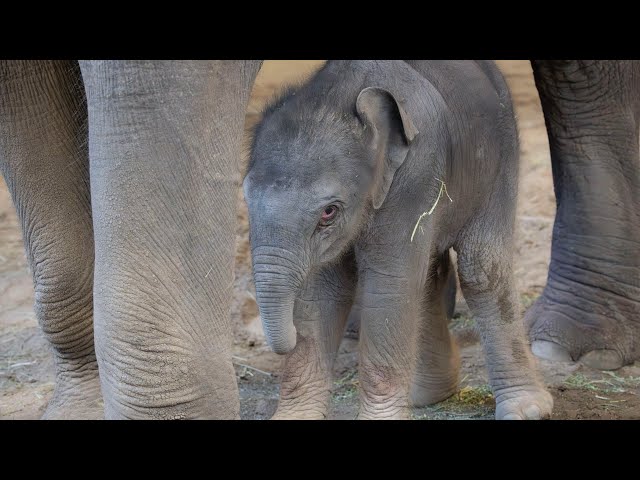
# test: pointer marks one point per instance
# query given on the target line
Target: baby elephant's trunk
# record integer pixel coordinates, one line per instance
(278, 278)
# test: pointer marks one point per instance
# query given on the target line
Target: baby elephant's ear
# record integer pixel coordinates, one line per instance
(391, 131)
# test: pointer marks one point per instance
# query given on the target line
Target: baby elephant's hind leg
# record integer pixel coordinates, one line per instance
(487, 282)
(320, 314)
(438, 362)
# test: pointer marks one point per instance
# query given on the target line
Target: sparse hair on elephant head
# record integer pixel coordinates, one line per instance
(322, 158)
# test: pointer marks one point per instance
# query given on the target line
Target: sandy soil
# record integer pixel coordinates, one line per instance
(26, 366)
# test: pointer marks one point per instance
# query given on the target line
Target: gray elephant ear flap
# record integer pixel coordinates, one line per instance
(376, 98)
(392, 132)
(410, 130)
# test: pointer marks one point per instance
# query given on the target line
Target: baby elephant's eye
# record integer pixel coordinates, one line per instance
(328, 215)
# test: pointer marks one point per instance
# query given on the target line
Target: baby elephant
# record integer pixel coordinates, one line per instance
(359, 183)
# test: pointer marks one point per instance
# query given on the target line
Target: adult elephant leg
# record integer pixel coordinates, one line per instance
(45, 162)
(590, 307)
(164, 142)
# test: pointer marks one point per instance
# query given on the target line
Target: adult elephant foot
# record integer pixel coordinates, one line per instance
(574, 321)
(77, 396)
(597, 341)
(590, 308)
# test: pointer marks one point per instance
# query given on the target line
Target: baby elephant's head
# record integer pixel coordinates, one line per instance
(317, 168)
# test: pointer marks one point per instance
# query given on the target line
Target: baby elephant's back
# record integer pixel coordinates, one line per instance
(484, 125)
(470, 86)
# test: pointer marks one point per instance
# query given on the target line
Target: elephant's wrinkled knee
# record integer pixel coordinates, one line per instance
(64, 308)
(384, 393)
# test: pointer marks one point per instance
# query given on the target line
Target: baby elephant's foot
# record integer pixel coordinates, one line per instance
(399, 414)
(391, 409)
(524, 403)
(299, 414)
(309, 401)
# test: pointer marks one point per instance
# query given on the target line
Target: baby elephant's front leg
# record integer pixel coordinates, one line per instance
(320, 314)
(488, 287)
(387, 345)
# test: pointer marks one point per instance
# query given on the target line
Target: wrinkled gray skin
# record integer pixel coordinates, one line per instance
(161, 129)
(158, 213)
(373, 139)
(590, 307)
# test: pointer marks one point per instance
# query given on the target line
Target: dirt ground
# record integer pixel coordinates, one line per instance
(26, 366)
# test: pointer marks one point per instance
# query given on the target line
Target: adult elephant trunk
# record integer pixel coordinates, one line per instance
(278, 276)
